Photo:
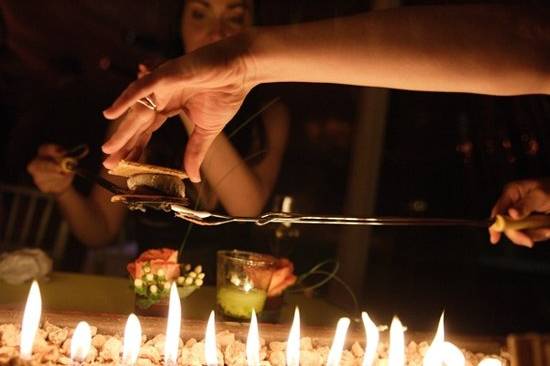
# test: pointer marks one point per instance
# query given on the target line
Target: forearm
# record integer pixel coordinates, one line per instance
(235, 184)
(85, 220)
(483, 49)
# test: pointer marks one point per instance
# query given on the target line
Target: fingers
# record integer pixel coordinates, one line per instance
(134, 148)
(533, 201)
(510, 194)
(50, 150)
(139, 118)
(43, 166)
(140, 88)
(541, 234)
(197, 146)
(519, 238)
(494, 236)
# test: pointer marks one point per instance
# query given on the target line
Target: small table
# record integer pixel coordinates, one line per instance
(90, 293)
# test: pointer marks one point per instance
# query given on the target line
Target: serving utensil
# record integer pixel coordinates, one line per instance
(499, 223)
(180, 206)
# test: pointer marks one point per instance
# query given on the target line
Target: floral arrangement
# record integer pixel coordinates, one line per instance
(154, 271)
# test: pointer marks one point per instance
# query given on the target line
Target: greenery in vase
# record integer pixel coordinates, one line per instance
(153, 273)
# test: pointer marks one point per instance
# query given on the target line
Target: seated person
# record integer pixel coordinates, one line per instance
(240, 170)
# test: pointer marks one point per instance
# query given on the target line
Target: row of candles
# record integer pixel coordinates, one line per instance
(440, 352)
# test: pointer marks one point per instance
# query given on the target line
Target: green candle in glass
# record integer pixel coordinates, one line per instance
(243, 279)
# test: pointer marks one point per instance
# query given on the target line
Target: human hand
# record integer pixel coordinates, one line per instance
(208, 85)
(518, 200)
(47, 173)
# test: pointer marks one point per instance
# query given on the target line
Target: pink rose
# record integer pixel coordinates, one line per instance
(283, 277)
(164, 258)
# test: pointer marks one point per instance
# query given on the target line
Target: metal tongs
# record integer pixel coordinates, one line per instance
(151, 198)
(178, 205)
(70, 163)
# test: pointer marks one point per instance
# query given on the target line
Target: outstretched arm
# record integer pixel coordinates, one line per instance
(486, 49)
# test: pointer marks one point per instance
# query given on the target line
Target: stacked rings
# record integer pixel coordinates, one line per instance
(148, 103)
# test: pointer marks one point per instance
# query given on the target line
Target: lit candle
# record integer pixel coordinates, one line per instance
(210, 348)
(443, 353)
(397, 343)
(490, 362)
(173, 328)
(132, 341)
(372, 339)
(80, 343)
(293, 343)
(338, 342)
(31, 321)
(238, 302)
(253, 342)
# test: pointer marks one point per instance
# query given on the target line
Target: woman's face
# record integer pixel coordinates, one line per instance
(208, 21)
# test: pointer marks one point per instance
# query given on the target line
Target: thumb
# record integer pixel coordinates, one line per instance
(197, 147)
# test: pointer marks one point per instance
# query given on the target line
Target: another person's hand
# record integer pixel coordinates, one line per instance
(208, 85)
(518, 200)
(47, 173)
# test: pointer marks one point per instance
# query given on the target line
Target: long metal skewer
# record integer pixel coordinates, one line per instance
(209, 219)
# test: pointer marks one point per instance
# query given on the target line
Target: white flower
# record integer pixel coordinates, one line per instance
(198, 269)
(160, 273)
(181, 280)
(150, 277)
(153, 289)
(189, 281)
(198, 282)
(138, 283)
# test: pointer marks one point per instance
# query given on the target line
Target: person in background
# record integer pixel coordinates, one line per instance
(240, 184)
(486, 49)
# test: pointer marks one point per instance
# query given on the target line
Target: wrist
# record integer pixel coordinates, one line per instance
(259, 61)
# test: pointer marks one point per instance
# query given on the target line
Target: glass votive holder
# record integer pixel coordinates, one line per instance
(242, 281)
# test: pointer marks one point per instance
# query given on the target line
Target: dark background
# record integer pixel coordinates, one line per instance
(445, 155)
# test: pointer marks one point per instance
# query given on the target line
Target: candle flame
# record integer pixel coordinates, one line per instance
(210, 349)
(490, 362)
(293, 343)
(132, 340)
(81, 342)
(253, 342)
(373, 337)
(31, 320)
(397, 343)
(441, 352)
(335, 352)
(452, 355)
(172, 328)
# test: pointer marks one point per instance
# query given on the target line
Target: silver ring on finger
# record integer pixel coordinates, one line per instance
(148, 102)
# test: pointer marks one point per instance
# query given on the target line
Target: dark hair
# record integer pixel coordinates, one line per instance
(176, 47)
